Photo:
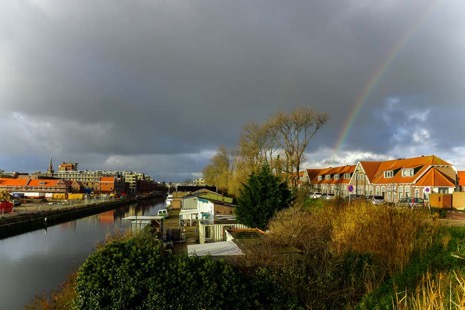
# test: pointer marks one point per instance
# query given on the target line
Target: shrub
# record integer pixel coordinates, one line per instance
(261, 197)
(134, 274)
(115, 276)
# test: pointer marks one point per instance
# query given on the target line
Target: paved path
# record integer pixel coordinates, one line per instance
(191, 232)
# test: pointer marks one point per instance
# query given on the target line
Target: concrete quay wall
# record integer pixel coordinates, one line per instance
(40, 216)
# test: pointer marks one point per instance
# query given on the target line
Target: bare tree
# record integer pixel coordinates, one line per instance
(281, 142)
(218, 172)
(295, 130)
(252, 142)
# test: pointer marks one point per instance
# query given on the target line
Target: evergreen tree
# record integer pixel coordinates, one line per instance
(260, 198)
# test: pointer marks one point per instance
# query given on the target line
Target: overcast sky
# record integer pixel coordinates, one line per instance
(157, 86)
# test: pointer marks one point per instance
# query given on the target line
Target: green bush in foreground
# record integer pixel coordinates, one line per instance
(135, 274)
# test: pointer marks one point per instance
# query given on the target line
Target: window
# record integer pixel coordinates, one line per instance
(388, 174)
(407, 172)
(328, 177)
(336, 176)
(320, 177)
(346, 176)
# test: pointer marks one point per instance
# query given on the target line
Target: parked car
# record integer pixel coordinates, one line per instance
(376, 199)
(327, 196)
(315, 195)
(412, 202)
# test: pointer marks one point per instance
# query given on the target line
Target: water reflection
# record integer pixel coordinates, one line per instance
(40, 260)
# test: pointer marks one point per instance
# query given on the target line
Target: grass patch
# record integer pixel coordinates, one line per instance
(416, 281)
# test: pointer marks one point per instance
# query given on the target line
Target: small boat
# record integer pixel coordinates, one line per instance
(169, 199)
(164, 213)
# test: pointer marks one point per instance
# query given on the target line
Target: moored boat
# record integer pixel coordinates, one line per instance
(169, 199)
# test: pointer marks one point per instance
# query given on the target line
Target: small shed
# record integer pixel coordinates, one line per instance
(140, 222)
(224, 248)
(188, 217)
(214, 231)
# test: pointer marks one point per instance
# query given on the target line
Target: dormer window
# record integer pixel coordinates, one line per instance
(328, 177)
(408, 172)
(388, 174)
(336, 176)
(346, 176)
(320, 177)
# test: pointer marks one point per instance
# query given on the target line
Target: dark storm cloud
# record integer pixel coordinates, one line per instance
(134, 83)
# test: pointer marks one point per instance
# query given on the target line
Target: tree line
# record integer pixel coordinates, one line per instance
(281, 142)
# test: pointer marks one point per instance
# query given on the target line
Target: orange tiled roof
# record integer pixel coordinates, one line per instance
(30, 182)
(370, 168)
(45, 182)
(341, 170)
(13, 182)
(435, 178)
(420, 164)
(313, 175)
(461, 178)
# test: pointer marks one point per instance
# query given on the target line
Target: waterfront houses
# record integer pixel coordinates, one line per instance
(68, 179)
(392, 179)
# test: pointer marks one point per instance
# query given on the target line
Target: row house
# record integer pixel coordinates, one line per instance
(35, 188)
(333, 180)
(111, 185)
(393, 179)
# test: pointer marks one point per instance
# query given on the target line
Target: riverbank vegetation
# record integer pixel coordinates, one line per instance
(317, 255)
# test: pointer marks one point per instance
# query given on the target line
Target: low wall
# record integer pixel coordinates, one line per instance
(441, 201)
(458, 200)
(32, 221)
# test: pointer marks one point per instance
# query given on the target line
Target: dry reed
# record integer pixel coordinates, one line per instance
(392, 235)
(435, 292)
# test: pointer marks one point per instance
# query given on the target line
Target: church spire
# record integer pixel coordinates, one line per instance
(50, 166)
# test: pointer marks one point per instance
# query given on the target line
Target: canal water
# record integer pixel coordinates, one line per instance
(40, 261)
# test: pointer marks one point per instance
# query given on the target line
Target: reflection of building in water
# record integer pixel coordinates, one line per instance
(68, 226)
(107, 217)
(134, 210)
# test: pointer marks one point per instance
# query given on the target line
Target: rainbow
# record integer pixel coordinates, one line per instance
(378, 73)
